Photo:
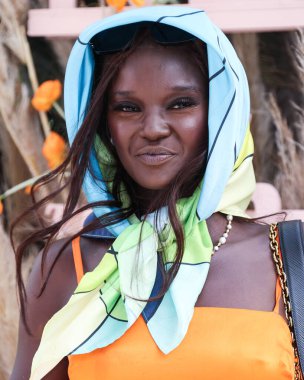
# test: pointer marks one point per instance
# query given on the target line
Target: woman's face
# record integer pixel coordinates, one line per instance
(157, 114)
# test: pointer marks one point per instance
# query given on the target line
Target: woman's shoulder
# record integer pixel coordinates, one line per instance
(51, 283)
(53, 277)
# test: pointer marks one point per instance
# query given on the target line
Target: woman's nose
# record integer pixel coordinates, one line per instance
(154, 127)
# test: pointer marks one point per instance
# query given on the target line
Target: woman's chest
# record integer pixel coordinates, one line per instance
(241, 275)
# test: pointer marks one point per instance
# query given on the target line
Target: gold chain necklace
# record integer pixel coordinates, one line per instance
(274, 245)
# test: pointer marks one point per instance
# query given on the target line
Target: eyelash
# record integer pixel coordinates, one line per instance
(183, 103)
(124, 106)
(176, 104)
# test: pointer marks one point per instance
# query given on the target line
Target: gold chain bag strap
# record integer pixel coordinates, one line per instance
(274, 245)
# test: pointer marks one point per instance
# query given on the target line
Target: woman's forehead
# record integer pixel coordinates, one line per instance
(158, 67)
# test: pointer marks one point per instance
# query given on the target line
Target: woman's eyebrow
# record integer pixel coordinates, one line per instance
(186, 88)
(122, 93)
(180, 88)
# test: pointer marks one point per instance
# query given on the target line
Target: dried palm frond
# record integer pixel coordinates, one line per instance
(274, 63)
(16, 115)
(288, 159)
(8, 306)
(247, 47)
(9, 311)
(20, 133)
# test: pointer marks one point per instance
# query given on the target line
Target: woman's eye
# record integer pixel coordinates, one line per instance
(126, 108)
(182, 103)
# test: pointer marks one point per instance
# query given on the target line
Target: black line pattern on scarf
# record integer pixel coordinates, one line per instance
(184, 14)
(249, 155)
(221, 126)
(112, 251)
(219, 45)
(234, 71)
(87, 291)
(192, 264)
(82, 43)
(109, 314)
(94, 332)
(105, 305)
(218, 72)
(218, 42)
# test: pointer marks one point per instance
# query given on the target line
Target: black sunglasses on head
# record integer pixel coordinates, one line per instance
(121, 37)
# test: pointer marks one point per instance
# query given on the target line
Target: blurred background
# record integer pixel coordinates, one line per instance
(35, 40)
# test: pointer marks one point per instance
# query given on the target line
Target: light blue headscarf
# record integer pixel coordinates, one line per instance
(228, 99)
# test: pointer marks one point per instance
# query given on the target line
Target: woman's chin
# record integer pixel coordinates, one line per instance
(153, 186)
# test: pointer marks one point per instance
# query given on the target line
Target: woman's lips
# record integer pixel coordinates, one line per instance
(155, 156)
(154, 159)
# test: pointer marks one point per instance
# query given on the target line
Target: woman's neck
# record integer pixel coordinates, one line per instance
(146, 200)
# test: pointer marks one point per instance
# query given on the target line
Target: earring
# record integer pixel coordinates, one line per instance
(109, 135)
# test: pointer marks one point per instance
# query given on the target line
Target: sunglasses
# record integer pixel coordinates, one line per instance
(121, 37)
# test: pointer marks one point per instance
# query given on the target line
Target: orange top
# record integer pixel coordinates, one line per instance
(220, 343)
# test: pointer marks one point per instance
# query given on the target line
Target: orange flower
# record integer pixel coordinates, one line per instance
(54, 150)
(46, 94)
(119, 4)
(138, 3)
(28, 189)
(1, 207)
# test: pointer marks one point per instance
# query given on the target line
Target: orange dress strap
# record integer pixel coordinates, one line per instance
(278, 295)
(77, 258)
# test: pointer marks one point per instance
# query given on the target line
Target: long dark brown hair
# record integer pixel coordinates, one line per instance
(77, 162)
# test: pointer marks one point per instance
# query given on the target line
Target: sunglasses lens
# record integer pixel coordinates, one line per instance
(119, 38)
(113, 40)
(168, 35)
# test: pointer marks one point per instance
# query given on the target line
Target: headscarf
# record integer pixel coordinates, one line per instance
(108, 300)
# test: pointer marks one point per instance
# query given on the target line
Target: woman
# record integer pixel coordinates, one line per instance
(157, 110)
